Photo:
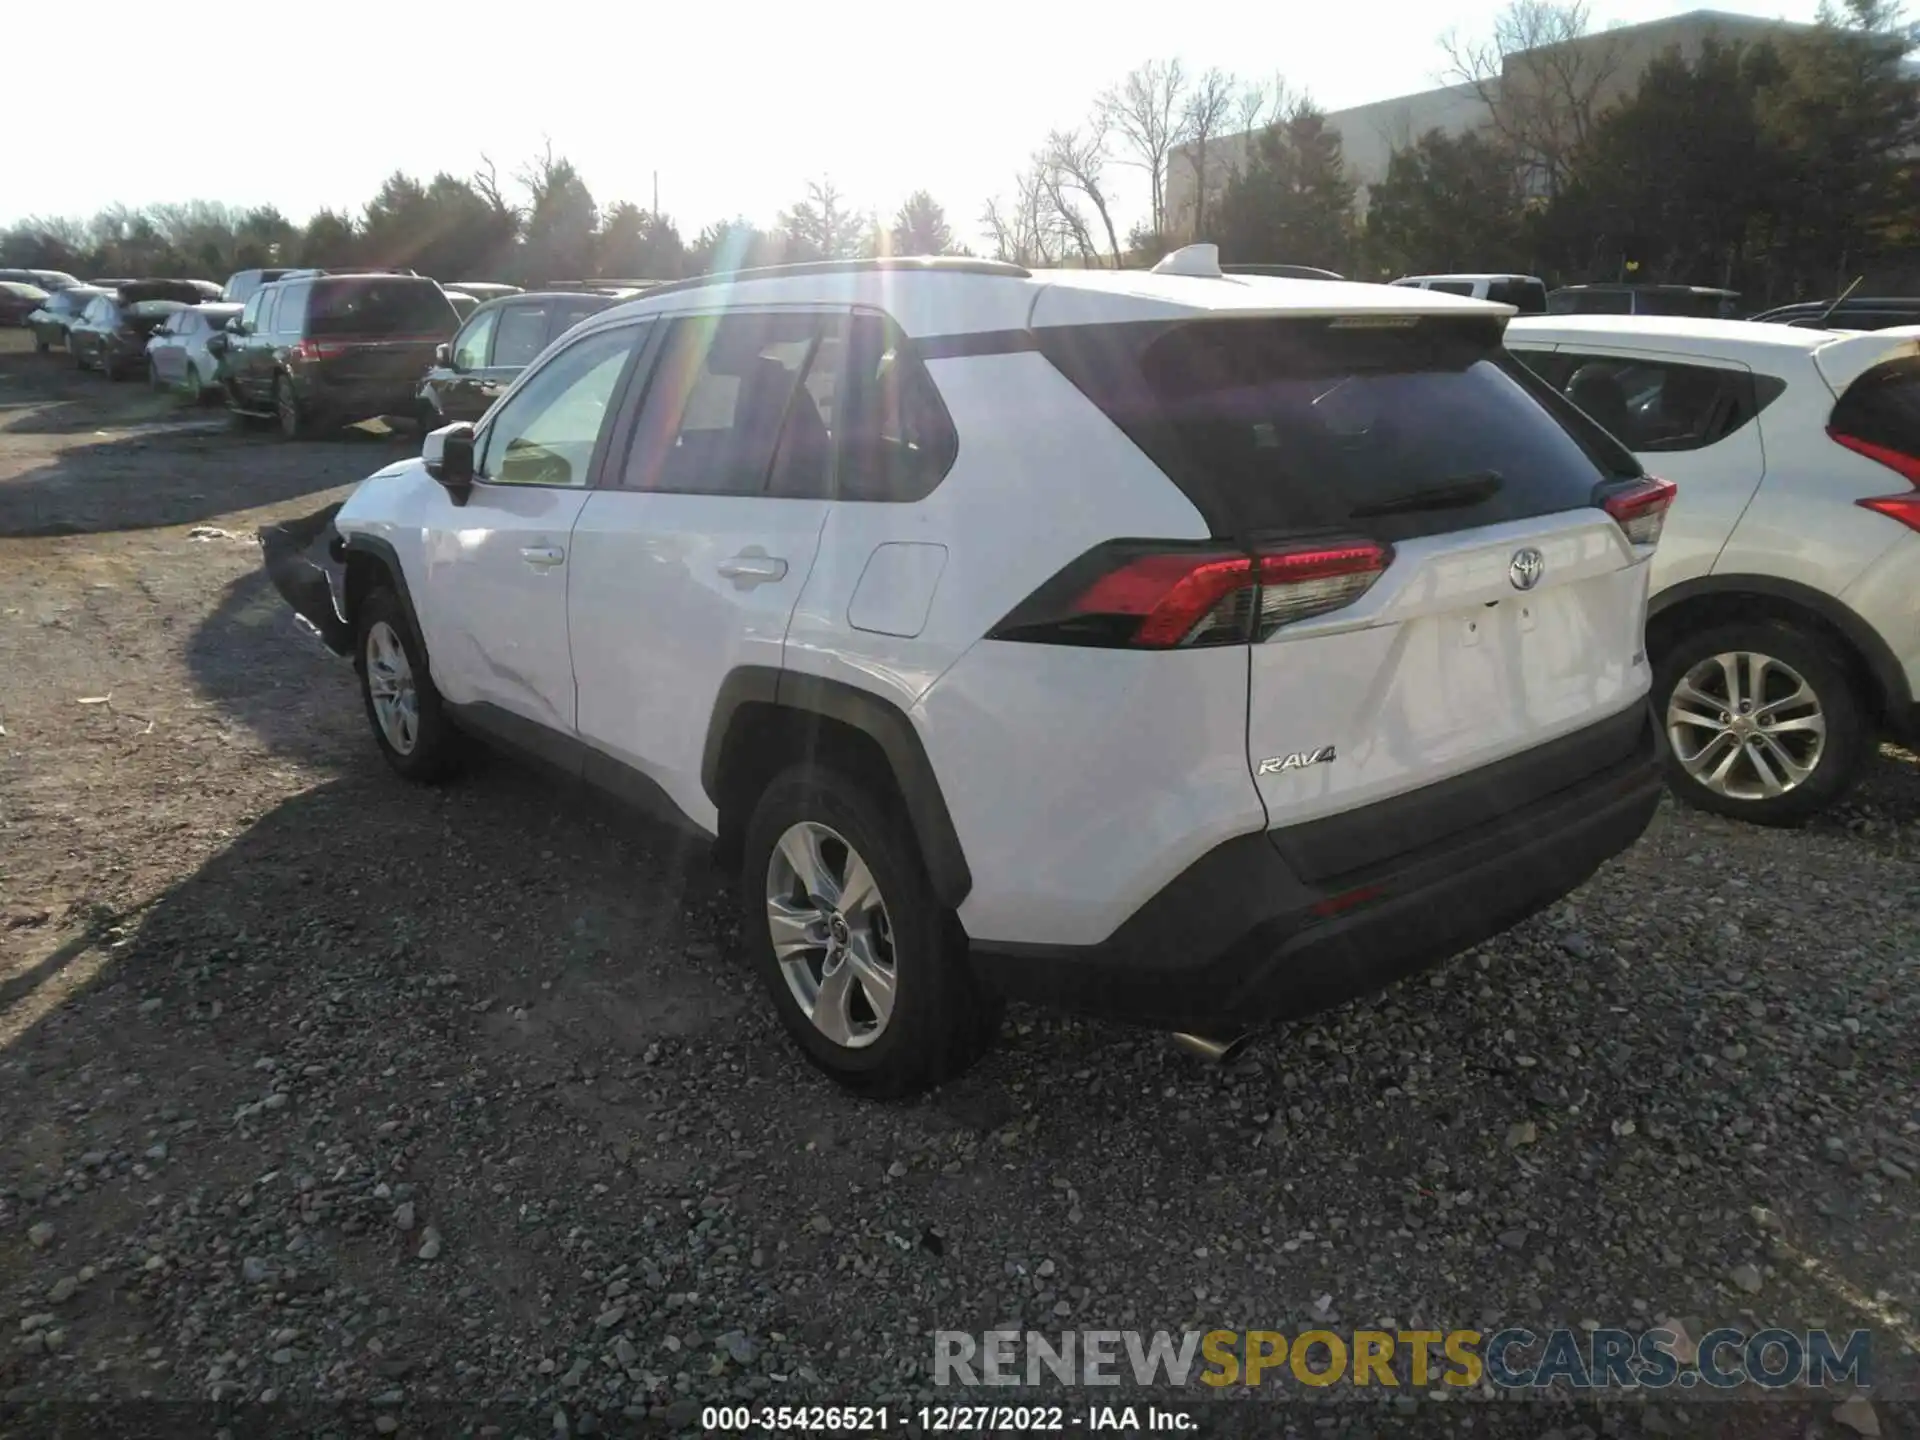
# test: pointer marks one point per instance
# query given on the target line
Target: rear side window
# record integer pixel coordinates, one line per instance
(1529, 297)
(378, 307)
(725, 394)
(1452, 287)
(896, 441)
(1654, 407)
(471, 349)
(290, 310)
(1882, 407)
(1288, 426)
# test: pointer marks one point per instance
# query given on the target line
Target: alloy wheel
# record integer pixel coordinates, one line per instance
(1746, 726)
(831, 934)
(396, 704)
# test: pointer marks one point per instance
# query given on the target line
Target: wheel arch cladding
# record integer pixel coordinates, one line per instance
(765, 719)
(1718, 599)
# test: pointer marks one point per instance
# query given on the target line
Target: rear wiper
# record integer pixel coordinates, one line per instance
(1445, 495)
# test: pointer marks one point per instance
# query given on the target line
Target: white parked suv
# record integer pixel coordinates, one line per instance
(1784, 624)
(1186, 648)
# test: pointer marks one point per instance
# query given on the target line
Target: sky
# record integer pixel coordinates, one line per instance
(734, 107)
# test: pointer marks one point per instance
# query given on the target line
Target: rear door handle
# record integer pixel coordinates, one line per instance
(541, 556)
(749, 570)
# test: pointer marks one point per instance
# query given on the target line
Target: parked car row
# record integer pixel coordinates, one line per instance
(312, 347)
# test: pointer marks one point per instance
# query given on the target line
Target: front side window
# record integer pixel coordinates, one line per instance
(546, 432)
(250, 313)
(725, 395)
(522, 336)
(470, 349)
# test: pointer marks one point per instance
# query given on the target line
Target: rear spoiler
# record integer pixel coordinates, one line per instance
(1844, 359)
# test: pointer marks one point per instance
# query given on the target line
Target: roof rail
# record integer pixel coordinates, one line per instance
(939, 264)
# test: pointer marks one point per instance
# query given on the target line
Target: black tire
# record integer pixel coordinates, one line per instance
(292, 419)
(436, 752)
(41, 346)
(196, 388)
(1833, 766)
(941, 1021)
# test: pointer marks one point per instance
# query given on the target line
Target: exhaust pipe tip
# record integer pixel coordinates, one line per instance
(1219, 1050)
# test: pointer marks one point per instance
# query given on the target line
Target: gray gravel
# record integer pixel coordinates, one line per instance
(364, 1094)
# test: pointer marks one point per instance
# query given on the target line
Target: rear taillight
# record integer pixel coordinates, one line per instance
(1141, 595)
(318, 350)
(1906, 507)
(1640, 509)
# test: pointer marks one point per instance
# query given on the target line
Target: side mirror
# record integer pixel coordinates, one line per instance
(448, 456)
(443, 355)
(217, 343)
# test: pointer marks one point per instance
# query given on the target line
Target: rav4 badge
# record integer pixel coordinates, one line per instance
(1299, 760)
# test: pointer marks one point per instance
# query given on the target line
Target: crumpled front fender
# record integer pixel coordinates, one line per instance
(308, 584)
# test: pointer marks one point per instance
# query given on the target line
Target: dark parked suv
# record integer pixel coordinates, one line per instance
(316, 350)
(495, 343)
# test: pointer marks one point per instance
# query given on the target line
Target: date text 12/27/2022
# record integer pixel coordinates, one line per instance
(945, 1419)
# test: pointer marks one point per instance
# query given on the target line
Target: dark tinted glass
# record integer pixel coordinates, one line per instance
(379, 306)
(1299, 425)
(1529, 297)
(1663, 407)
(1451, 287)
(896, 441)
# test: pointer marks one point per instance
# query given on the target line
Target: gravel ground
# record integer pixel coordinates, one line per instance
(319, 1089)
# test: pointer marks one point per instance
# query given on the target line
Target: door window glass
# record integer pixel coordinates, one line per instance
(1660, 406)
(470, 350)
(896, 441)
(725, 394)
(545, 434)
(522, 336)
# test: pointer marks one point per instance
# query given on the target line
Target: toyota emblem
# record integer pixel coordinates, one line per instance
(1526, 568)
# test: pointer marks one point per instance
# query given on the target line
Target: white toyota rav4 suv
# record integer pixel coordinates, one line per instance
(1184, 648)
(1784, 623)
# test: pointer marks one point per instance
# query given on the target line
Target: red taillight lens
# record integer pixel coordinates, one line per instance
(318, 350)
(1904, 508)
(1640, 509)
(1133, 595)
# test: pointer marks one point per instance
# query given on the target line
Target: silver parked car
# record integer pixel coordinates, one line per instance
(177, 357)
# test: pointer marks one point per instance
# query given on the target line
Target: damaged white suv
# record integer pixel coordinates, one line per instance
(1186, 648)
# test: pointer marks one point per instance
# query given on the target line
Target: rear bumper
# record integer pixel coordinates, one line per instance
(1261, 928)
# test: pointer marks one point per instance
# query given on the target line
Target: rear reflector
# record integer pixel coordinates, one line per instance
(1906, 507)
(1640, 509)
(1142, 595)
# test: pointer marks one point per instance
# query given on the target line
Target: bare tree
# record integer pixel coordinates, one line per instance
(1202, 119)
(1072, 163)
(1145, 110)
(1260, 103)
(1544, 79)
(1026, 228)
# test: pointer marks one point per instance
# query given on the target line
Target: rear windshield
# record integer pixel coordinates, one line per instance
(1301, 425)
(154, 309)
(386, 305)
(1882, 407)
(1697, 304)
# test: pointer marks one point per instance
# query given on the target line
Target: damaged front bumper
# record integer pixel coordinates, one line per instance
(302, 563)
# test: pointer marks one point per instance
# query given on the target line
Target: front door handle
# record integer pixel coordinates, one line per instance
(542, 556)
(749, 570)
